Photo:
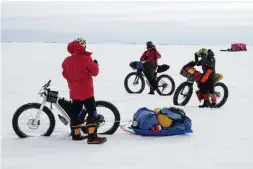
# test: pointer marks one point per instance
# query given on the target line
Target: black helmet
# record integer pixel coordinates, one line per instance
(149, 44)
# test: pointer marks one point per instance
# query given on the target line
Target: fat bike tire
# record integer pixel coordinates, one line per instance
(26, 107)
(178, 91)
(116, 114)
(141, 80)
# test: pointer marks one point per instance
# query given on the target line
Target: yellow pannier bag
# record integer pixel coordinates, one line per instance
(191, 71)
(219, 76)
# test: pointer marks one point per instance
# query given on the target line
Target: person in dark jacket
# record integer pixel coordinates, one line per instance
(78, 70)
(206, 83)
(150, 57)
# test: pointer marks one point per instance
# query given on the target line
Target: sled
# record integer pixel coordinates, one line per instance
(236, 47)
(229, 50)
(163, 132)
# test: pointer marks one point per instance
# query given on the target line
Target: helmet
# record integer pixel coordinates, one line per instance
(81, 41)
(202, 52)
(149, 44)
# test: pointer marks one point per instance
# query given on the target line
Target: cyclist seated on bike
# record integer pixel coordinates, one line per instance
(149, 59)
(207, 81)
(78, 69)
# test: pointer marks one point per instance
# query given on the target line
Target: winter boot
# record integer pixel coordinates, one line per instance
(206, 101)
(213, 99)
(94, 139)
(152, 91)
(213, 105)
(92, 136)
(205, 104)
(76, 134)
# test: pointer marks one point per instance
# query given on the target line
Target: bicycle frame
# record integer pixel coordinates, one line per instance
(192, 83)
(139, 74)
(58, 107)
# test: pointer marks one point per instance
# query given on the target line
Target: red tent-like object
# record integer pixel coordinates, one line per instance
(238, 47)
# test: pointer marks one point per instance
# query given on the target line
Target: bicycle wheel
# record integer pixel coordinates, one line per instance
(138, 79)
(29, 122)
(180, 91)
(111, 110)
(166, 85)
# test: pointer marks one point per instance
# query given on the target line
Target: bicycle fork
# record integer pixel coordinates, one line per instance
(136, 80)
(39, 111)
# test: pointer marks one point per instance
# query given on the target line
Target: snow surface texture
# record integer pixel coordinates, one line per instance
(222, 138)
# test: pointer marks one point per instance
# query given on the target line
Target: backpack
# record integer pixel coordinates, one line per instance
(181, 122)
(145, 119)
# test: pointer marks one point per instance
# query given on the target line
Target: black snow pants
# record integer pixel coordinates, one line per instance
(207, 87)
(77, 115)
(73, 109)
(149, 70)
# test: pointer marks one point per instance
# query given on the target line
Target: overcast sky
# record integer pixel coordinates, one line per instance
(127, 22)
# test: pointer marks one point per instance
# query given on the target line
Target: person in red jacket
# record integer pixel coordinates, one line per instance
(78, 70)
(150, 57)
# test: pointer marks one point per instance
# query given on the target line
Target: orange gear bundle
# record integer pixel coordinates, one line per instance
(191, 73)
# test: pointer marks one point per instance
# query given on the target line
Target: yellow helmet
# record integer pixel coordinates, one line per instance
(81, 41)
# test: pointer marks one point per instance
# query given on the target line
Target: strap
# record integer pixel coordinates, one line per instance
(145, 58)
(155, 57)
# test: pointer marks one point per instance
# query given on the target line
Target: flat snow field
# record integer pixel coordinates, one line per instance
(221, 139)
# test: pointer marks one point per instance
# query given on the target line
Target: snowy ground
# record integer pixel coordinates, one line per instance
(222, 138)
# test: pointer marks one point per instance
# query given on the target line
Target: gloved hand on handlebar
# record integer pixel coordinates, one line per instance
(190, 64)
(95, 61)
(139, 65)
(197, 56)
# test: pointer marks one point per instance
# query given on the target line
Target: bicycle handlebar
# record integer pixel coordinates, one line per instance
(47, 84)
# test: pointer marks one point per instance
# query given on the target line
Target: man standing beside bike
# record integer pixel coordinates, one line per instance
(150, 57)
(78, 70)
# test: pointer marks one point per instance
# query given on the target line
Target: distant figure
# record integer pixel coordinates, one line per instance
(78, 70)
(150, 57)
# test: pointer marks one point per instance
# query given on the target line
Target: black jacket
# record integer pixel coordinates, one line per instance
(208, 62)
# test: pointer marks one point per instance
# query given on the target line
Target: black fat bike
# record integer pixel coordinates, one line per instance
(166, 84)
(185, 89)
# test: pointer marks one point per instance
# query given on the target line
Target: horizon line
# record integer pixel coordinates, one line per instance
(130, 43)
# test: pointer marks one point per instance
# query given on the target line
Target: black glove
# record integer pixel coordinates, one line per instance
(191, 64)
(95, 61)
(196, 57)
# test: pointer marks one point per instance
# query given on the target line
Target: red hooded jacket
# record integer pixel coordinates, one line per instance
(78, 70)
(151, 55)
